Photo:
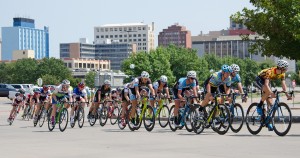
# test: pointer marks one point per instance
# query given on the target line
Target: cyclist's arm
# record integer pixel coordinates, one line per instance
(179, 94)
(151, 88)
(283, 84)
(240, 87)
(267, 81)
(126, 96)
(167, 91)
(136, 88)
(54, 96)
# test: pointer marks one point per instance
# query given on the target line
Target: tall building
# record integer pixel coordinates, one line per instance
(24, 36)
(177, 35)
(134, 33)
(114, 51)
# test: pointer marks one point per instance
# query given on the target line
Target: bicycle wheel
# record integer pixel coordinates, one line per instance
(103, 116)
(133, 121)
(172, 124)
(80, 117)
(253, 119)
(50, 125)
(188, 120)
(63, 119)
(221, 119)
(163, 116)
(139, 118)
(119, 119)
(149, 118)
(237, 117)
(42, 118)
(282, 119)
(198, 121)
(92, 120)
(114, 115)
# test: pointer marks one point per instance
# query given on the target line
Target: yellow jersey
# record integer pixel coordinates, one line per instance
(270, 74)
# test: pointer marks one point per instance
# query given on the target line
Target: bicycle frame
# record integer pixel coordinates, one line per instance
(161, 102)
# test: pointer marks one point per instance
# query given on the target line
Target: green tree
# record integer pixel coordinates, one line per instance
(278, 22)
(215, 62)
(266, 64)
(50, 80)
(24, 71)
(90, 79)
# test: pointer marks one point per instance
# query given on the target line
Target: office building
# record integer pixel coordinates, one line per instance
(175, 34)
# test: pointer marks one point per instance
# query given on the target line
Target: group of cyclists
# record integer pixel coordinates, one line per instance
(223, 81)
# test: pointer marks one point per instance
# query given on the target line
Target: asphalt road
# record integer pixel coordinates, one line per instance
(23, 140)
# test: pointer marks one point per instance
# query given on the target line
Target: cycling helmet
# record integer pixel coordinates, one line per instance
(45, 88)
(191, 74)
(107, 82)
(145, 74)
(226, 68)
(119, 89)
(164, 78)
(81, 84)
(66, 82)
(22, 91)
(235, 67)
(126, 85)
(282, 64)
(36, 90)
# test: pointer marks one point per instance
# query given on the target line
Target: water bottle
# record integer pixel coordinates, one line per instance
(154, 109)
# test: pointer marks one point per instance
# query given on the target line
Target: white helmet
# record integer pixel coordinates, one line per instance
(145, 74)
(191, 74)
(107, 82)
(164, 78)
(66, 82)
(235, 67)
(282, 64)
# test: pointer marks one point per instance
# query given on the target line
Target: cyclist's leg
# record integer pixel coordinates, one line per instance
(14, 106)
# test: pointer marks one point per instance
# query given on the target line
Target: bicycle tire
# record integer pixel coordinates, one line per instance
(253, 119)
(187, 120)
(163, 116)
(103, 116)
(64, 117)
(172, 124)
(286, 117)
(42, 118)
(114, 116)
(221, 119)
(50, 126)
(198, 123)
(119, 119)
(149, 118)
(132, 121)
(93, 118)
(237, 117)
(139, 119)
(80, 117)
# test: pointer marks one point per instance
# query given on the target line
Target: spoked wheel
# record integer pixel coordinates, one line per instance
(63, 120)
(80, 117)
(114, 115)
(282, 119)
(133, 121)
(172, 123)
(188, 120)
(103, 116)
(237, 117)
(163, 116)
(198, 121)
(119, 119)
(149, 118)
(42, 118)
(253, 119)
(93, 117)
(50, 125)
(221, 119)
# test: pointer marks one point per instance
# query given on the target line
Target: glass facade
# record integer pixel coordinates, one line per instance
(24, 36)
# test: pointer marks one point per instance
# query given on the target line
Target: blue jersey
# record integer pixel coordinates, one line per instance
(182, 84)
(79, 93)
(216, 80)
(236, 79)
(44, 94)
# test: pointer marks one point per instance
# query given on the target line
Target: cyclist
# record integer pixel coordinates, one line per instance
(125, 102)
(18, 101)
(161, 86)
(263, 80)
(214, 81)
(80, 95)
(235, 81)
(103, 93)
(43, 97)
(61, 93)
(183, 86)
(141, 84)
(32, 100)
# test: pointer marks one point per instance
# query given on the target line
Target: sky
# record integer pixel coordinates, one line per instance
(69, 20)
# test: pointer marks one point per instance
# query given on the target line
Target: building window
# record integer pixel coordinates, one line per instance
(125, 40)
(144, 35)
(92, 65)
(134, 35)
(80, 65)
(76, 65)
(97, 36)
(116, 36)
(97, 30)
(144, 39)
(88, 65)
(144, 28)
(111, 29)
(116, 29)
(139, 28)
(106, 36)
(111, 36)
(139, 35)
(120, 36)
(84, 65)
(120, 29)
(125, 35)
(70, 65)
(120, 40)
(134, 40)
(106, 29)
(102, 30)
(102, 36)
(134, 28)
(139, 40)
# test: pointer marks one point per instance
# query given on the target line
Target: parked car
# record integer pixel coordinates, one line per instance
(19, 86)
(5, 89)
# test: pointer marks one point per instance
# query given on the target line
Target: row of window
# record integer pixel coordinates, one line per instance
(110, 29)
(121, 36)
